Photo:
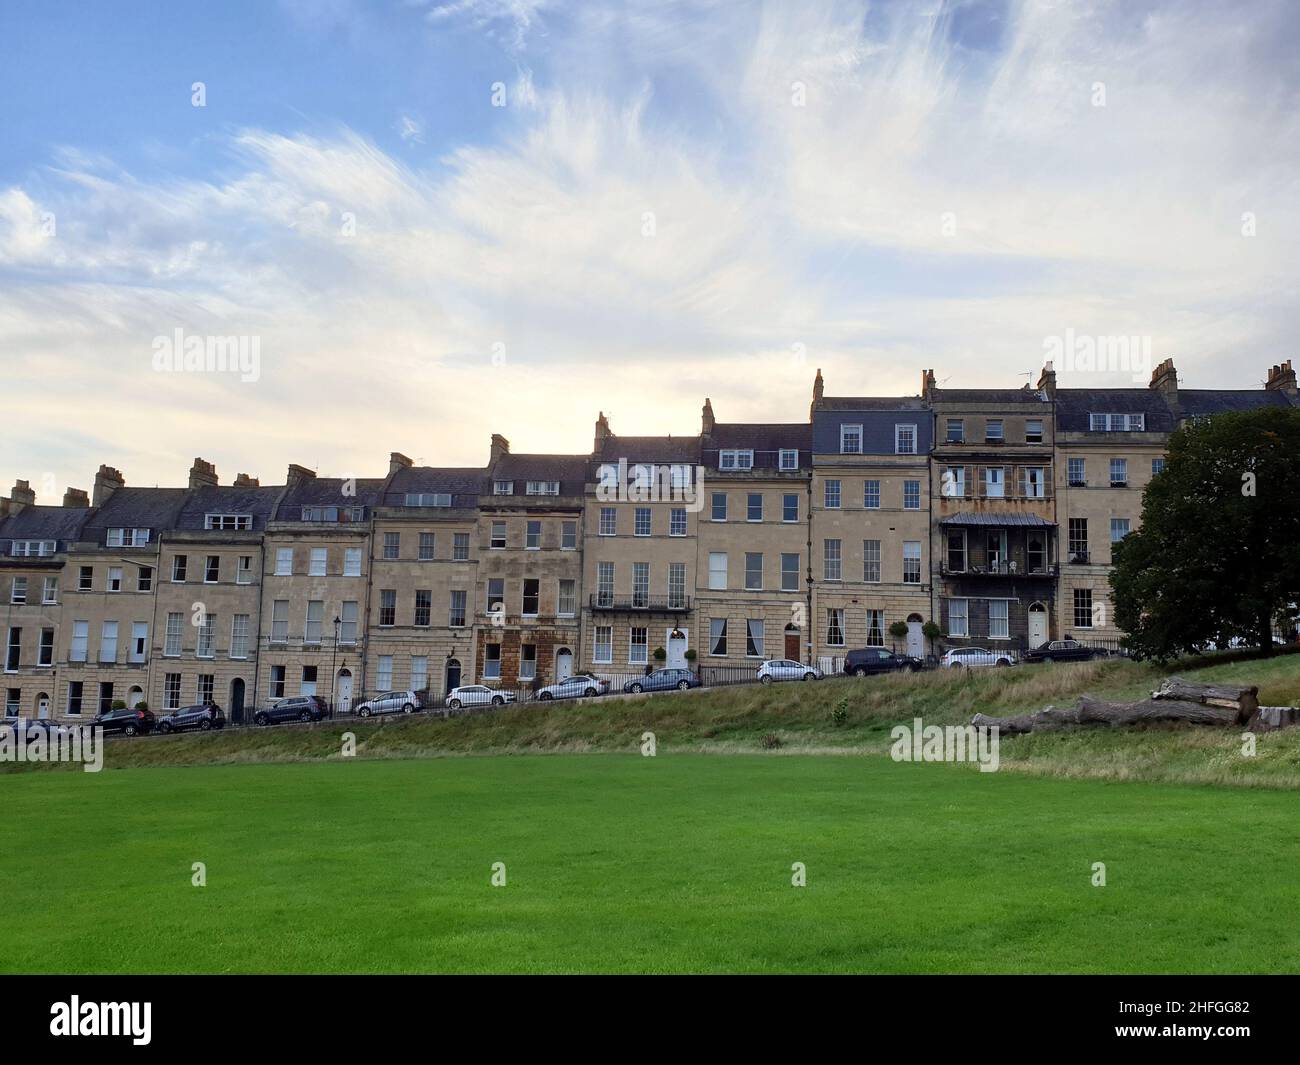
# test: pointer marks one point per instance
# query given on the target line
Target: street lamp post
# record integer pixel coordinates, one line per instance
(334, 679)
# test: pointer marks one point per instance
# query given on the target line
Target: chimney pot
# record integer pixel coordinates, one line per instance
(1282, 378)
(22, 494)
(397, 461)
(243, 480)
(107, 481)
(76, 497)
(203, 474)
(297, 474)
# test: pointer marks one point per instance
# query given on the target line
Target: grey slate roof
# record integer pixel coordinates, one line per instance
(463, 484)
(1073, 406)
(45, 523)
(766, 440)
(328, 492)
(989, 395)
(667, 449)
(871, 403)
(1194, 402)
(228, 499)
(569, 470)
(1001, 521)
(136, 508)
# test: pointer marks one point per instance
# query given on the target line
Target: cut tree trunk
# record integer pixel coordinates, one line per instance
(1244, 700)
(1090, 711)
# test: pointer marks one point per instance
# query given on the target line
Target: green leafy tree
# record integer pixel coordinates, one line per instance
(1218, 553)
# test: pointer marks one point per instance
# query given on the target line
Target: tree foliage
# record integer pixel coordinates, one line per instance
(1217, 555)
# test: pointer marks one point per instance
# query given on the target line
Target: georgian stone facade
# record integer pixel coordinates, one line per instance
(990, 512)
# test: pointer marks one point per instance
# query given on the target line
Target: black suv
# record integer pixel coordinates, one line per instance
(202, 716)
(130, 722)
(869, 660)
(298, 708)
(1061, 651)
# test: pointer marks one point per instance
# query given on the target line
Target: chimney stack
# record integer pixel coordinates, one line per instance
(202, 474)
(107, 481)
(21, 496)
(397, 461)
(76, 497)
(1047, 380)
(1164, 378)
(1282, 379)
(500, 446)
(706, 422)
(297, 474)
(818, 387)
(603, 432)
(243, 480)
(927, 384)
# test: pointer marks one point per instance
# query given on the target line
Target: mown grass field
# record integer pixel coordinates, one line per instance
(680, 862)
(616, 863)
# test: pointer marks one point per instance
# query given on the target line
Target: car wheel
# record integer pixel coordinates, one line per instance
(637, 689)
(205, 725)
(1003, 662)
(766, 678)
(497, 700)
(1048, 660)
(589, 692)
(861, 671)
(129, 730)
(260, 719)
(545, 695)
(810, 676)
(454, 705)
(682, 685)
(364, 711)
(409, 708)
(305, 716)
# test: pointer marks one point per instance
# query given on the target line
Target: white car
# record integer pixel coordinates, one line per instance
(786, 669)
(578, 686)
(477, 695)
(975, 656)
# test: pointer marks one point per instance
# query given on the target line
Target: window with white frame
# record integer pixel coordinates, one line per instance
(604, 584)
(18, 590)
(850, 440)
(1117, 423)
(81, 641)
(999, 620)
(318, 562)
(994, 482)
(677, 585)
(171, 691)
(533, 536)
(1033, 482)
(736, 459)
(875, 628)
(212, 571)
(543, 488)
(1076, 472)
(677, 521)
(608, 521)
(953, 483)
(384, 673)
(642, 525)
(754, 506)
(128, 537)
(993, 432)
(284, 561)
(871, 494)
(790, 507)
(958, 620)
(388, 607)
(456, 608)
(239, 636)
(139, 649)
(315, 621)
(638, 646)
(244, 570)
(86, 578)
(277, 682)
(568, 536)
(718, 570)
(228, 522)
(348, 614)
(603, 650)
(503, 488)
(911, 495)
(835, 627)
(32, 548)
(831, 494)
(641, 584)
(1119, 528)
(498, 537)
(789, 458)
(108, 642)
(50, 591)
(754, 638)
(45, 650)
(566, 602)
(753, 570)
(1034, 431)
(904, 439)
(392, 545)
(1083, 608)
(204, 644)
(911, 561)
(420, 672)
(789, 571)
(831, 560)
(1157, 466)
(717, 636)
(871, 561)
(460, 547)
(423, 499)
(527, 661)
(719, 506)
(425, 547)
(307, 685)
(172, 636)
(1118, 473)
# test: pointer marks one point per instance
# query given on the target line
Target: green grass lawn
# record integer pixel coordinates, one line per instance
(679, 863)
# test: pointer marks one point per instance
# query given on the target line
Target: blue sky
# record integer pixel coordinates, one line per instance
(677, 200)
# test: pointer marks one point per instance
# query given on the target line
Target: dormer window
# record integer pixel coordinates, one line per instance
(736, 459)
(850, 440)
(228, 522)
(993, 431)
(789, 458)
(1117, 423)
(428, 499)
(543, 488)
(503, 488)
(904, 439)
(32, 548)
(128, 537)
(333, 513)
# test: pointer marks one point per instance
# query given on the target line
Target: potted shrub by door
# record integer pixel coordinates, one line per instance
(898, 630)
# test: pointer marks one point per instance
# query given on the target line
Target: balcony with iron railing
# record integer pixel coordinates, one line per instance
(663, 604)
(1010, 568)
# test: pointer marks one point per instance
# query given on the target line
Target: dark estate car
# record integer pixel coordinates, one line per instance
(1061, 651)
(297, 708)
(200, 716)
(663, 680)
(32, 726)
(869, 660)
(130, 722)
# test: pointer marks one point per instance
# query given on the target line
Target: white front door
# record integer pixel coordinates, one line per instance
(43, 709)
(563, 664)
(915, 640)
(677, 648)
(1037, 626)
(345, 693)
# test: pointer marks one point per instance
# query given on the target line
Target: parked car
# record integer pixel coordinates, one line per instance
(295, 708)
(869, 660)
(33, 725)
(580, 685)
(202, 716)
(478, 695)
(1061, 651)
(130, 722)
(973, 657)
(786, 669)
(406, 702)
(663, 680)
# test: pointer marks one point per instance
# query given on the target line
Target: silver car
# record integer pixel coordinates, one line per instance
(406, 702)
(477, 695)
(579, 686)
(787, 669)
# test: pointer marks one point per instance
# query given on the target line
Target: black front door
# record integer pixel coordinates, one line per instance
(237, 702)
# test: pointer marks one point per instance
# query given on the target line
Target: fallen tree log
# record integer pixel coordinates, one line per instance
(1244, 700)
(1268, 718)
(1090, 711)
